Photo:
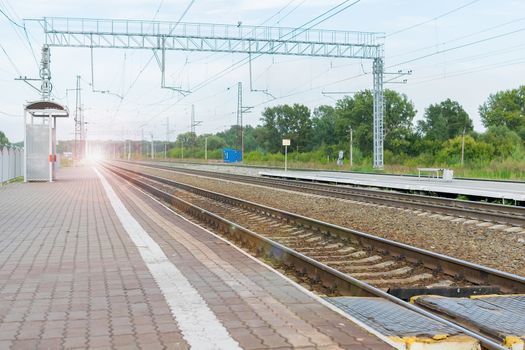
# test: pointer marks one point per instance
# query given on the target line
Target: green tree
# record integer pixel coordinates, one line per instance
(188, 139)
(445, 120)
(231, 137)
(232, 140)
(357, 111)
(285, 121)
(250, 143)
(324, 126)
(214, 141)
(505, 108)
(3, 139)
(266, 138)
(475, 151)
(505, 142)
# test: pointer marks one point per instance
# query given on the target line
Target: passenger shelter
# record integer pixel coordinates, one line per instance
(40, 139)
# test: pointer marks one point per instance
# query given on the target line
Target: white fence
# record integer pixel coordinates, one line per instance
(11, 163)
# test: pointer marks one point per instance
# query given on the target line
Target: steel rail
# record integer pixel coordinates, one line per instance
(262, 246)
(501, 214)
(474, 273)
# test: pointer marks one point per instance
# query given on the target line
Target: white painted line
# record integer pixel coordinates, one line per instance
(314, 296)
(199, 325)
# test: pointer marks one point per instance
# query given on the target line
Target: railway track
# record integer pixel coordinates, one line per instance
(340, 260)
(482, 211)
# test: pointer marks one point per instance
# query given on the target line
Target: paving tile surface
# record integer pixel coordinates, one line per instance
(70, 277)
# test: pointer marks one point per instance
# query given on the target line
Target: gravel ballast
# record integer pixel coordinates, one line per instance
(493, 248)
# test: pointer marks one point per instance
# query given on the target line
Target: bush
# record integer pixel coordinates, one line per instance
(478, 152)
(505, 141)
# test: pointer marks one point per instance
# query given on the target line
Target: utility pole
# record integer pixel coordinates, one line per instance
(141, 141)
(152, 148)
(239, 117)
(206, 148)
(181, 147)
(82, 129)
(79, 123)
(45, 75)
(463, 148)
(240, 111)
(193, 124)
(167, 137)
(351, 156)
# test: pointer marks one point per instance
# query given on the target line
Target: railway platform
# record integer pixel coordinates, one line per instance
(508, 191)
(91, 262)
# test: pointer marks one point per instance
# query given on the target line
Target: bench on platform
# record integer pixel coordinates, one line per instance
(432, 172)
(446, 174)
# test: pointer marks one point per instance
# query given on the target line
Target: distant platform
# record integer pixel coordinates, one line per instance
(512, 191)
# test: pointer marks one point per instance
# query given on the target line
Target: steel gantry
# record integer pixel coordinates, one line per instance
(258, 40)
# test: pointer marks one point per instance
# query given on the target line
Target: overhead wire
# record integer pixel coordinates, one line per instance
(461, 37)
(11, 115)
(10, 60)
(261, 24)
(149, 61)
(318, 19)
(202, 99)
(412, 27)
(472, 70)
(309, 22)
(423, 56)
(511, 62)
(290, 12)
(278, 12)
(10, 19)
(412, 60)
(244, 61)
(485, 54)
(158, 9)
(22, 27)
(440, 51)
(432, 19)
(447, 41)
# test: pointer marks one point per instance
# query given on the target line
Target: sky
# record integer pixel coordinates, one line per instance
(459, 49)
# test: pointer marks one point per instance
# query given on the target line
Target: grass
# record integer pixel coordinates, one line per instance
(16, 179)
(506, 169)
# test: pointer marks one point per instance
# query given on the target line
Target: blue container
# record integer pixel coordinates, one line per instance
(231, 155)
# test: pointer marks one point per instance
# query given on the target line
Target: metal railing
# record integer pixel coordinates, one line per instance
(11, 163)
(208, 30)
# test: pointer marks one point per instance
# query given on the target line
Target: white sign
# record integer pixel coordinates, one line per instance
(286, 142)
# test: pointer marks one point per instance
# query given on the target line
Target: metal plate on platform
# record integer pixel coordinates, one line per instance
(501, 316)
(391, 319)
